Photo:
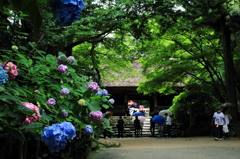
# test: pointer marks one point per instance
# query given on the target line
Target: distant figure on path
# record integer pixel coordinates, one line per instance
(227, 118)
(137, 126)
(219, 121)
(107, 130)
(141, 127)
(120, 126)
(169, 124)
(152, 127)
(160, 130)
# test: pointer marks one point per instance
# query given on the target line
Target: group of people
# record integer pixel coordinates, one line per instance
(221, 121)
(138, 126)
(168, 123)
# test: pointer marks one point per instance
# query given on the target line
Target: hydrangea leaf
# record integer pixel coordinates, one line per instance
(15, 133)
(93, 106)
(105, 106)
(32, 125)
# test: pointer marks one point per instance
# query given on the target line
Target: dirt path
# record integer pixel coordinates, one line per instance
(146, 142)
(174, 148)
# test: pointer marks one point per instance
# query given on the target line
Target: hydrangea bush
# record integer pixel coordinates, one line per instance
(55, 95)
(67, 11)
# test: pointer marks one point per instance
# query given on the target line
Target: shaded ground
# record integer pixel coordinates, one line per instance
(174, 148)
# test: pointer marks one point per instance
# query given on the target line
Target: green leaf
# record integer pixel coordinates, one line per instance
(25, 110)
(93, 106)
(2, 88)
(105, 106)
(8, 99)
(15, 133)
(45, 116)
(33, 125)
(88, 93)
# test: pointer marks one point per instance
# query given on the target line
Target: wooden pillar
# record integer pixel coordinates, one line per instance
(125, 104)
(155, 101)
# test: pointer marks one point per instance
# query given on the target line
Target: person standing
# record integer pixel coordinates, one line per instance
(137, 126)
(219, 121)
(107, 130)
(152, 127)
(120, 126)
(169, 124)
(227, 118)
(160, 130)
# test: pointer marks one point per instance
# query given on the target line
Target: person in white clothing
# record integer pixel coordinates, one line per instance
(169, 124)
(227, 118)
(219, 121)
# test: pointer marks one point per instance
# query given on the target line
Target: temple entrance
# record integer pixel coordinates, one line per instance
(138, 106)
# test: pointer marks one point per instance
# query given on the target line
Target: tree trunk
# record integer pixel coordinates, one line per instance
(192, 117)
(229, 70)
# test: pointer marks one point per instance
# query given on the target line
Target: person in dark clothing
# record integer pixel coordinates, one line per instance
(120, 126)
(137, 126)
(152, 127)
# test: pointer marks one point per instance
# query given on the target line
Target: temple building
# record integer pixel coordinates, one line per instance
(125, 95)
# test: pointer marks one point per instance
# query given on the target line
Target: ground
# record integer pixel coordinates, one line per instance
(182, 148)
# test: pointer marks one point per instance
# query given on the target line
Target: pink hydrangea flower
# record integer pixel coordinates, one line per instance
(93, 86)
(37, 91)
(11, 68)
(96, 115)
(62, 68)
(34, 117)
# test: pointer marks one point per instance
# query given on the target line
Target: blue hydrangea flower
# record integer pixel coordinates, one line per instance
(111, 101)
(57, 136)
(3, 76)
(99, 93)
(104, 92)
(89, 129)
(67, 11)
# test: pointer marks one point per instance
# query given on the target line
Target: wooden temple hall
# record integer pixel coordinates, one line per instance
(124, 91)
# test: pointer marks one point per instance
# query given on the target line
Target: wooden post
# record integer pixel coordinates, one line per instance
(125, 104)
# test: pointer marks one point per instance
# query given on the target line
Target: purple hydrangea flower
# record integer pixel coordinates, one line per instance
(111, 101)
(51, 101)
(93, 86)
(65, 91)
(70, 59)
(104, 92)
(62, 68)
(67, 11)
(3, 75)
(62, 59)
(57, 136)
(96, 115)
(64, 113)
(89, 129)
